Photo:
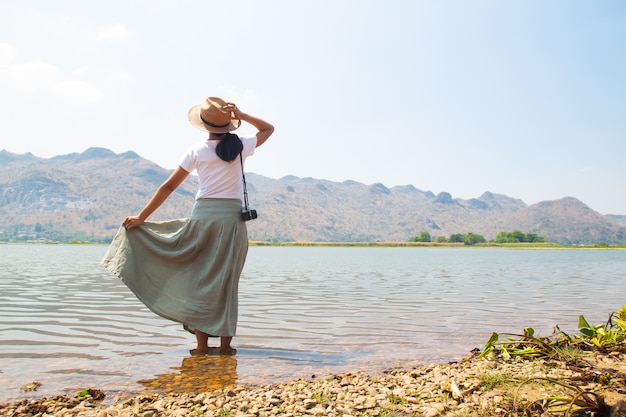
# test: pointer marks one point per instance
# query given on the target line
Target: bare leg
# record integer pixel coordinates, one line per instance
(202, 346)
(202, 342)
(225, 348)
(225, 342)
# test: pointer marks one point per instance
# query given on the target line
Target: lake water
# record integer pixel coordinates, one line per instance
(68, 323)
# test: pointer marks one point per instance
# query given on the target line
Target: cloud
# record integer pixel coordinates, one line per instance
(29, 77)
(79, 72)
(77, 91)
(122, 78)
(236, 95)
(42, 77)
(113, 33)
(7, 54)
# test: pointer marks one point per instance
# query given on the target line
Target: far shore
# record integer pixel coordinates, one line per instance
(542, 245)
(534, 245)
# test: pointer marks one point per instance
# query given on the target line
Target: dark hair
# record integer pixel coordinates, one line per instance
(229, 147)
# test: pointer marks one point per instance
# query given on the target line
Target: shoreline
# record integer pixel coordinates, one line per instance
(544, 245)
(524, 245)
(473, 386)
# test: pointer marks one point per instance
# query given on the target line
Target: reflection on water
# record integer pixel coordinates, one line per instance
(197, 374)
(68, 323)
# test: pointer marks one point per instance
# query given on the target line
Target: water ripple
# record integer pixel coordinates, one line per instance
(66, 322)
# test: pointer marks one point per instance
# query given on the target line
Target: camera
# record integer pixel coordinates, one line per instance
(248, 214)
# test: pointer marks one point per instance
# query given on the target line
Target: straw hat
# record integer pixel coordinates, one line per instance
(211, 117)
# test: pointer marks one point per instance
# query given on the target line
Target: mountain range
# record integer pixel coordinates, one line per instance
(85, 196)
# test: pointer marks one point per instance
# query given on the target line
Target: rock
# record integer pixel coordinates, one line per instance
(430, 412)
(31, 386)
(452, 390)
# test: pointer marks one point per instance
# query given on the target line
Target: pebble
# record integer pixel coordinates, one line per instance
(465, 388)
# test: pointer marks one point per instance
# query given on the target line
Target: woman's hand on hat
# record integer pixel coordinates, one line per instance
(235, 113)
(132, 221)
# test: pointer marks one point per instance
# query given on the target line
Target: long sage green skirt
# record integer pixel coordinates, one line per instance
(186, 270)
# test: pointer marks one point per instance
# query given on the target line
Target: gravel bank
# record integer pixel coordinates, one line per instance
(473, 387)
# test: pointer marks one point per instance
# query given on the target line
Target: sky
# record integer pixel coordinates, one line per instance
(522, 98)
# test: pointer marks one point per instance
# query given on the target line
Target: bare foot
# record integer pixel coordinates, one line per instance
(200, 352)
(228, 351)
(214, 351)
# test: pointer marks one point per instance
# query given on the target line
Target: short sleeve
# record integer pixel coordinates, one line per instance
(188, 161)
(249, 144)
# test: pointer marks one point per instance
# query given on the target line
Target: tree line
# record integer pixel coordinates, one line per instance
(470, 238)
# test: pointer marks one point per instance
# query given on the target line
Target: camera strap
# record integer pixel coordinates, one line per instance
(245, 188)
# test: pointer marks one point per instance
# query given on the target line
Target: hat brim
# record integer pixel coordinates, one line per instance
(196, 121)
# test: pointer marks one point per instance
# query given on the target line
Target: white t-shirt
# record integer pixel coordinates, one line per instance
(217, 178)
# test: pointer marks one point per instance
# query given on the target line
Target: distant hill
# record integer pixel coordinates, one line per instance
(617, 218)
(86, 195)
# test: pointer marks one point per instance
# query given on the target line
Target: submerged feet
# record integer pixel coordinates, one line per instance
(214, 351)
(202, 347)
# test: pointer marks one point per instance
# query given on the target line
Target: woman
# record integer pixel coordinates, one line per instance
(188, 270)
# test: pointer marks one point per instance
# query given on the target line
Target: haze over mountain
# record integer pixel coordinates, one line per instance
(86, 196)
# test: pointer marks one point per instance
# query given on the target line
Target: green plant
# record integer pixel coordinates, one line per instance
(582, 401)
(611, 333)
(95, 394)
(608, 335)
(575, 400)
(84, 393)
(395, 399)
(424, 236)
(223, 413)
(321, 398)
(516, 236)
(527, 345)
(489, 380)
(473, 238)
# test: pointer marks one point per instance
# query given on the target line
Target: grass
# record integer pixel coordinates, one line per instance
(490, 381)
(567, 397)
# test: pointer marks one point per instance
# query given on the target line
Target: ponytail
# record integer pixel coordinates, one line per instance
(229, 147)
